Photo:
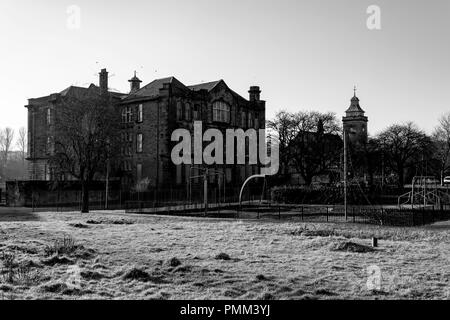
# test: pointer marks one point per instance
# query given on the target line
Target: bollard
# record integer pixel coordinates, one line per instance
(374, 242)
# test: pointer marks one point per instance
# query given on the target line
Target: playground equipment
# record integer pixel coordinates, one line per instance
(425, 190)
(205, 176)
(247, 181)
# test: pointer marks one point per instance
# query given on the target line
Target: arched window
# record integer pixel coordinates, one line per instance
(221, 112)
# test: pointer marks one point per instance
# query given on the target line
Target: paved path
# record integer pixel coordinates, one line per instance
(442, 225)
(17, 214)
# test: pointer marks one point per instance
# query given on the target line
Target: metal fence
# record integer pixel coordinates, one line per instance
(310, 213)
(71, 200)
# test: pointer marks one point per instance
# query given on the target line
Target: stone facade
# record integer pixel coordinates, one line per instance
(165, 105)
(41, 119)
(149, 116)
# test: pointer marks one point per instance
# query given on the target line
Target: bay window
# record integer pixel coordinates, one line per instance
(221, 112)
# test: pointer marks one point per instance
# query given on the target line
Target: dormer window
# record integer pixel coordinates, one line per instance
(221, 112)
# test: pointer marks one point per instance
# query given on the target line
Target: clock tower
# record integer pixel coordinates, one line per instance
(355, 123)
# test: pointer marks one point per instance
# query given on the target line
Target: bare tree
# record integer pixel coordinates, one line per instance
(85, 138)
(317, 145)
(404, 146)
(284, 131)
(6, 140)
(441, 139)
(22, 143)
(308, 142)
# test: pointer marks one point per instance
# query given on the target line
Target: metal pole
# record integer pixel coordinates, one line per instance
(107, 185)
(205, 190)
(345, 175)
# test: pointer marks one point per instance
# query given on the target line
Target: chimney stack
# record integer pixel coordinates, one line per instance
(103, 81)
(254, 93)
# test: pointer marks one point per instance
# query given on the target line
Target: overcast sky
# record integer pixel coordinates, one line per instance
(304, 54)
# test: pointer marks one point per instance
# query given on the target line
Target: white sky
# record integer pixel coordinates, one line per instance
(304, 54)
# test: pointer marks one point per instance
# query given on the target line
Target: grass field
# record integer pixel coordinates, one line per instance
(119, 256)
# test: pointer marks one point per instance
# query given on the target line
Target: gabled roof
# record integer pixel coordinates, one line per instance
(204, 86)
(152, 89)
(209, 86)
(74, 91)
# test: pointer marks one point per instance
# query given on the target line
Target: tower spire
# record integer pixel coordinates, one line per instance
(354, 91)
(135, 83)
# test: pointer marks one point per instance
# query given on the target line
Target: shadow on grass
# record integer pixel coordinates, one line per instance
(11, 214)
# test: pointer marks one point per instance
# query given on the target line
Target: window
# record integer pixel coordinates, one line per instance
(127, 115)
(221, 112)
(256, 121)
(179, 110)
(139, 172)
(50, 149)
(243, 119)
(139, 142)
(49, 116)
(196, 112)
(126, 166)
(187, 111)
(250, 120)
(179, 174)
(140, 113)
(229, 174)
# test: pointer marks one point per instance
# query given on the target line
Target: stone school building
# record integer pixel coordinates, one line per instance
(149, 115)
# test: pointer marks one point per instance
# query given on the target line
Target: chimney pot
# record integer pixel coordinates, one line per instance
(254, 93)
(103, 81)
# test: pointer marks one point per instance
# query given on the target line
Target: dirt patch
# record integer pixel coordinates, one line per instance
(222, 256)
(351, 247)
(56, 259)
(174, 262)
(307, 232)
(79, 225)
(108, 221)
(60, 288)
(92, 275)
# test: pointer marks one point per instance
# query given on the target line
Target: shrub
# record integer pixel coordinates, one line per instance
(61, 246)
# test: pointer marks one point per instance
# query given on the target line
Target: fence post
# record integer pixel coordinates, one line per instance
(327, 213)
(302, 213)
(279, 212)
